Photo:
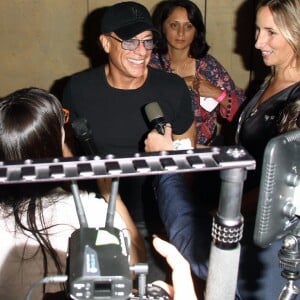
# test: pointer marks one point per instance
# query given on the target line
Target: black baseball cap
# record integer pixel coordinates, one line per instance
(126, 20)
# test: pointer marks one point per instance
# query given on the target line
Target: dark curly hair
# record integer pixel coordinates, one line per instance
(290, 119)
(161, 12)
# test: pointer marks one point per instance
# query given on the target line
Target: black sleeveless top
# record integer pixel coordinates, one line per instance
(257, 125)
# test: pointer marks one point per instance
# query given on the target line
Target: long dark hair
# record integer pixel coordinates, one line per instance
(161, 12)
(31, 122)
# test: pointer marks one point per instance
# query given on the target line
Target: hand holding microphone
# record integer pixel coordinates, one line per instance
(158, 142)
(161, 138)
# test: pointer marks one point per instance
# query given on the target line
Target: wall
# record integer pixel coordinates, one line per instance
(44, 41)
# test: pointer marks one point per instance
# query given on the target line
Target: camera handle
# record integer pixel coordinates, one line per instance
(146, 291)
(141, 270)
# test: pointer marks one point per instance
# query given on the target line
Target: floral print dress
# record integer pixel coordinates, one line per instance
(206, 122)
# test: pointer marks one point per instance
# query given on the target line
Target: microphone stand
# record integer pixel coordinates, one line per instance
(227, 231)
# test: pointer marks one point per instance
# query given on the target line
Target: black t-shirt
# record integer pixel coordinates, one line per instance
(117, 120)
(116, 116)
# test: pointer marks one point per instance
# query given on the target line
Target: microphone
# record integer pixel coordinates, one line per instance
(84, 135)
(156, 117)
(97, 257)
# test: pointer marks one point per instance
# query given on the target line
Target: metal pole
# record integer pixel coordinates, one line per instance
(226, 233)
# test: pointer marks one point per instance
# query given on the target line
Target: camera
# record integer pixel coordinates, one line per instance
(98, 267)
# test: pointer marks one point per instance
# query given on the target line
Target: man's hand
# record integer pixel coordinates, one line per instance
(157, 142)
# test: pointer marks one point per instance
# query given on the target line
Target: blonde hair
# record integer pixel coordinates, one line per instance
(286, 14)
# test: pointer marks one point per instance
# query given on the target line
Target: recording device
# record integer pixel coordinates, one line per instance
(98, 264)
(98, 268)
(84, 135)
(233, 162)
(155, 117)
(279, 206)
(98, 258)
(279, 198)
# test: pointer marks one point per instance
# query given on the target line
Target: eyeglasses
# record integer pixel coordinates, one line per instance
(66, 115)
(133, 44)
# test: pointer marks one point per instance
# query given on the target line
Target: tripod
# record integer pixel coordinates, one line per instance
(289, 259)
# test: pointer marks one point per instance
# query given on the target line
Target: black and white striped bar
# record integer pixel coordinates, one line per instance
(140, 164)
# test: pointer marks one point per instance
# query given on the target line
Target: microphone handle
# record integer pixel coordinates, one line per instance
(159, 124)
(88, 146)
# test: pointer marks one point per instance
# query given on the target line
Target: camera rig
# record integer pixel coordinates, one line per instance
(232, 162)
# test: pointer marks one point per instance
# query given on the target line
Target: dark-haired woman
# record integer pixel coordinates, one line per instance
(182, 49)
(37, 219)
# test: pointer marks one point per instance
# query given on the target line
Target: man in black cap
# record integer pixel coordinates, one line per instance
(112, 99)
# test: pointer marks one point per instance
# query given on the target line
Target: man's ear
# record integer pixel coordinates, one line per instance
(105, 42)
(65, 148)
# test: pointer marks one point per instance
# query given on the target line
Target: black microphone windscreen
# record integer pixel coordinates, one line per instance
(153, 111)
(84, 135)
(155, 117)
(81, 129)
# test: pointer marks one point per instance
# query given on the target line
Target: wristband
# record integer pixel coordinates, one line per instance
(183, 144)
(222, 96)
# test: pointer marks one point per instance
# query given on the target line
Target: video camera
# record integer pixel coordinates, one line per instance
(98, 260)
(279, 198)
(278, 208)
(98, 267)
(231, 161)
(98, 264)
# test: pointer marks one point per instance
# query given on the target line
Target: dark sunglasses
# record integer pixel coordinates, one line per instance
(133, 44)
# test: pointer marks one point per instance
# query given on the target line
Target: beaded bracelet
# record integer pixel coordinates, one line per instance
(229, 106)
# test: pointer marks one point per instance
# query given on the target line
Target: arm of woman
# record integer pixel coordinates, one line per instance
(183, 287)
(137, 248)
(212, 79)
